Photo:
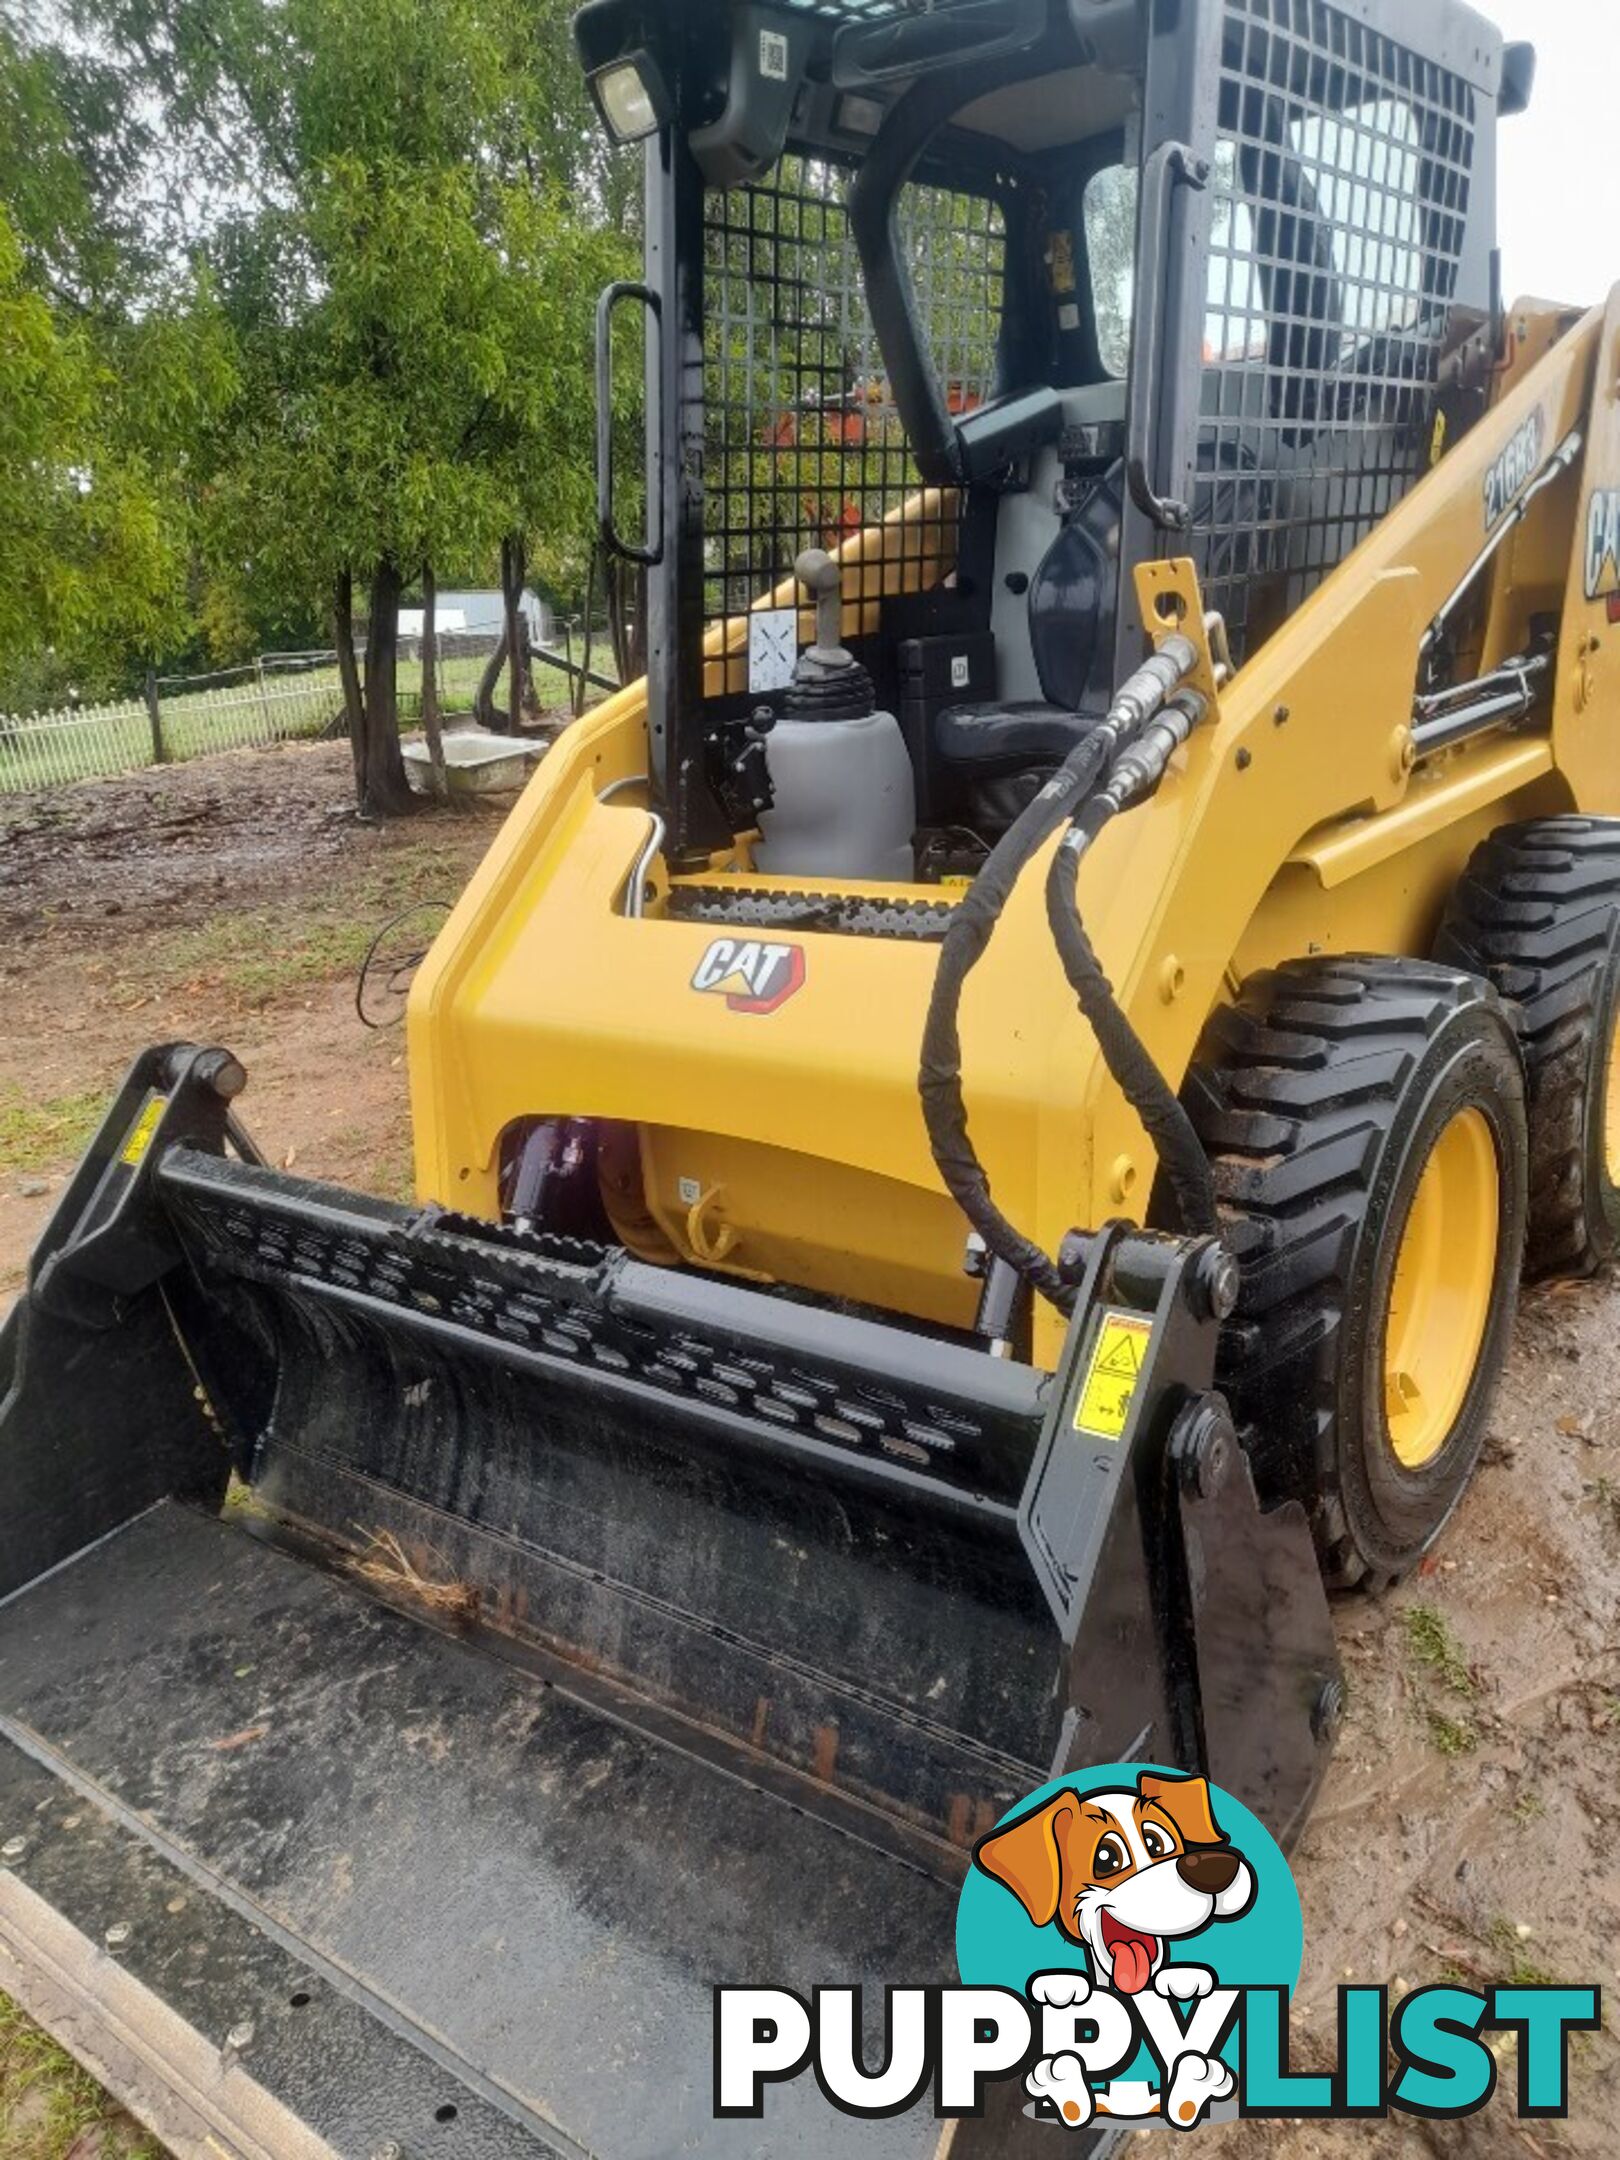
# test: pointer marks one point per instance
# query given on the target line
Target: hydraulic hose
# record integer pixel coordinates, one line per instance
(972, 927)
(1135, 775)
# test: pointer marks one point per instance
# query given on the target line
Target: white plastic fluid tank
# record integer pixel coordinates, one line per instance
(846, 800)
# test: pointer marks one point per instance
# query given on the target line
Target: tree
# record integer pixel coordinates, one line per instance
(430, 681)
(422, 210)
(114, 364)
(296, 307)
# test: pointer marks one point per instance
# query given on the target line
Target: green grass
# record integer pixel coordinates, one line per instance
(1521, 1969)
(294, 708)
(1450, 1736)
(49, 2107)
(42, 1135)
(392, 1175)
(1431, 1646)
(1436, 1658)
(264, 953)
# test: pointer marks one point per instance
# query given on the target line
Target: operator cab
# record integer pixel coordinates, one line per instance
(996, 300)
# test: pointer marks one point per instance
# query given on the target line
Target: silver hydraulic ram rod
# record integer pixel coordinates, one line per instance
(1474, 708)
(1550, 474)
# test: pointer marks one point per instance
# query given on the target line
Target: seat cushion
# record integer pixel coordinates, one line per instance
(1074, 600)
(980, 742)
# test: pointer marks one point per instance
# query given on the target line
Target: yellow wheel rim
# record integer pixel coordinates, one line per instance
(1440, 1298)
(1611, 1112)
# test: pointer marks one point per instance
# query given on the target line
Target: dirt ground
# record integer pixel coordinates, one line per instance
(1470, 1823)
(229, 900)
(1471, 1820)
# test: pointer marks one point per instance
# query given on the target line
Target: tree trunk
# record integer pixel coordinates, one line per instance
(485, 710)
(514, 569)
(533, 717)
(525, 703)
(385, 791)
(627, 619)
(430, 681)
(349, 674)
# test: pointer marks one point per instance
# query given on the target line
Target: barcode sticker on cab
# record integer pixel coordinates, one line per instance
(1113, 1376)
(140, 1138)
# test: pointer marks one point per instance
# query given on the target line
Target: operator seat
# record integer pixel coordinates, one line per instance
(991, 760)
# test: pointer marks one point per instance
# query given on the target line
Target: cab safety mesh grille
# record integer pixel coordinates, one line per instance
(1340, 206)
(803, 445)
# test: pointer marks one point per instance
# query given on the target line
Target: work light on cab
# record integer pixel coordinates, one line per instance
(632, 97)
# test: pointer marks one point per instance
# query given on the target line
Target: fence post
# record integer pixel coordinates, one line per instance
(264, 699)
(154, 712)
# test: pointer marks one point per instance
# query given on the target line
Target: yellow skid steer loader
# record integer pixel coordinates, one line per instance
(976, 1134)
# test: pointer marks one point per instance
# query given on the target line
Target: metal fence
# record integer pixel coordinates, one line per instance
(281, 697)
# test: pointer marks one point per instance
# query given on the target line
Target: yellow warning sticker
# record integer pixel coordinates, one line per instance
(140, 1139)
(1060, 255)
(1111, 1381)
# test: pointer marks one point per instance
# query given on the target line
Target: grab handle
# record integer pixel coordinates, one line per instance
(1172, 161)
(650, 550)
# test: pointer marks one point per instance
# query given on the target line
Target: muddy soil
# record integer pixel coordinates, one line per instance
(227, 900)
(1471, 1820)
(1470, 1824)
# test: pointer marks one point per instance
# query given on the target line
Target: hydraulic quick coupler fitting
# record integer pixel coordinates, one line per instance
(1141, 767)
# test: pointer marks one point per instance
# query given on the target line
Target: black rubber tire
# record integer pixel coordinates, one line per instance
(1320, 1097)
(1538, 914)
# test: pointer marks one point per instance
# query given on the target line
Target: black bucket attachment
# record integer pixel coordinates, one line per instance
(888, 1579)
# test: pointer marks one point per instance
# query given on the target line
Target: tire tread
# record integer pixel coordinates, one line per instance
(1295, 1093)
(1538, 915)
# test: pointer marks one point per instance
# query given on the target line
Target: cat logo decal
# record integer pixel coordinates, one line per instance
(1603, 546)
(751, 976)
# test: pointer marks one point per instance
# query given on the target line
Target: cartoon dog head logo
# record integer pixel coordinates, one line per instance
(1123, 1873)
(1109, 1901)
(751, 975)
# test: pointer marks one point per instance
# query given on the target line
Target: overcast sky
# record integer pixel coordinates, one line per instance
(1560, 186)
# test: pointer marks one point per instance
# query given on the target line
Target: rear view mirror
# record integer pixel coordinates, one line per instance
(954, 32)
(1518, 80)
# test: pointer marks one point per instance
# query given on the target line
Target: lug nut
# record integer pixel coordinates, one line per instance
(240, 2036)
(13, 1848)
(118, 1934)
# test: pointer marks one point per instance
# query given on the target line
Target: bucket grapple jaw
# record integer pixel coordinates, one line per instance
(873, 1580)
(917, 1573)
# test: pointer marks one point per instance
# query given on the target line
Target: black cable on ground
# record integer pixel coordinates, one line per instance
(406, 965)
